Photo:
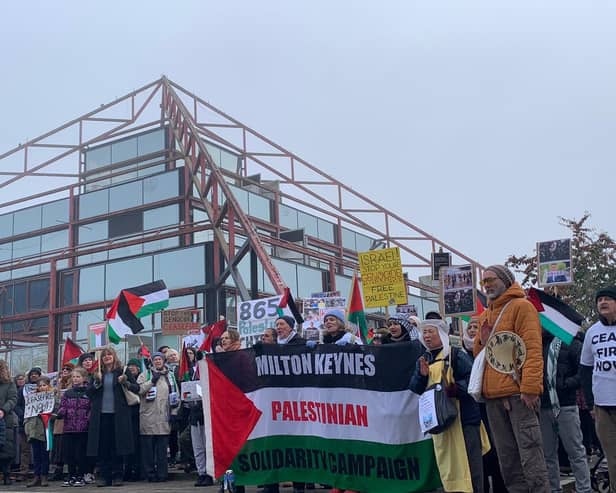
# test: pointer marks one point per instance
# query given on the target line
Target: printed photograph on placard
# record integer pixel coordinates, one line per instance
(554, 262)
(458, 295)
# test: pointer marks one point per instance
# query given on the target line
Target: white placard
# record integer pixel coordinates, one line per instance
(427, 411)
(191, 391)
(254, 316)
(38, 403)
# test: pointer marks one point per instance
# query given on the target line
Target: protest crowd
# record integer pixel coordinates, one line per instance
(116, 422)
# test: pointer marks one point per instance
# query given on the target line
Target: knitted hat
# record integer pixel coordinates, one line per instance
(158, 354)
(289, 320)
(68, 366)
(503, 273)
(609, 291)
(335, 312)
(134, 362)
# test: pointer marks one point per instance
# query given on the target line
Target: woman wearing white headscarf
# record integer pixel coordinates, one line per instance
(458, 448)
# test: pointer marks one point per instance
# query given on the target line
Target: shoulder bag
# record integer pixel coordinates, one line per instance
(445, 407)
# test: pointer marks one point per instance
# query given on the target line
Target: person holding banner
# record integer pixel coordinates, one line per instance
(458, 449)
(8, 401)
(336, 331)
(110, 435)
(37, 437)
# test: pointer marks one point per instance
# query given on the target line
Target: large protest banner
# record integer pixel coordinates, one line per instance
(339, 416)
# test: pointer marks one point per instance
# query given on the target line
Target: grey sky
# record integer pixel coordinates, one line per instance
(480, 122)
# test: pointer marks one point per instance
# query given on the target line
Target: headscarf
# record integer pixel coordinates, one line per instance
(443, 331)
(405, 322)
(467, 340)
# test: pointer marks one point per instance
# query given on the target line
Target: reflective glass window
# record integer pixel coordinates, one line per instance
(55, 213)
(151, 142)
(66, 289)
(124, 150)
(343, 284)
(259, 207)
(131, 175)
(26, 272)
(127, 273)
(229, 161)
(6, 225)
(348, 239)
(308, 281)
(89, 233)
(6, 251)
(287, 216)
(163, 244)
(86, 318)
(151, 170)
(127, 251)
(27, 247)
(126, 224)
(92, 258)
(39, 294)
(181, 268)
(27, 220)
(19, 297)
(160, 187)
(94, 203)
(6, 300)
(54, 241)
(163, 216)
(326, 230)
(125, 196)
(241, 196)
(363, 243)
(99, 157)
(214, 152)
(288, 272)
(309, 223)
(92, 284)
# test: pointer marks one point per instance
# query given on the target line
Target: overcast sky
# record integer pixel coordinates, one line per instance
(479, 121)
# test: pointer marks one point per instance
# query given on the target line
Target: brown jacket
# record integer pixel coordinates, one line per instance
(521, 318)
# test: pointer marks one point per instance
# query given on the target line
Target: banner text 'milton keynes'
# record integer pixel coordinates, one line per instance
(316, 364)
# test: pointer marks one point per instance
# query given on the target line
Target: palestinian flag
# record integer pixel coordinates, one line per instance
(355, 309)
(555, 315)
(71, 352)
(287, 301)
(211, 332)
(317, 416)
(132, 304)
(482, 303)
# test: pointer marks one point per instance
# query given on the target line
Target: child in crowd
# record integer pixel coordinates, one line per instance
(35, 433)
(75, 410)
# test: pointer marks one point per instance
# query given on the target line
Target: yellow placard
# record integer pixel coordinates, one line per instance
(381, 278)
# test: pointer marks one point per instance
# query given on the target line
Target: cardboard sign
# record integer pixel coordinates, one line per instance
(38, 403)
(254, 316)
(381, 278)
(180, 321)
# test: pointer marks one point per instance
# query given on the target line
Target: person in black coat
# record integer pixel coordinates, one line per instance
(110, 434)
(286, 333)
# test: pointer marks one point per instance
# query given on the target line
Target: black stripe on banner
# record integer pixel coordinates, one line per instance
(127, 316)
(386, 368)
(144, 289)
(560, 306)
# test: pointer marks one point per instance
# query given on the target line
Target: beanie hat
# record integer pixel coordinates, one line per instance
(335, 312)
(503, 273)
(609, 291)
(158, 354)
(289, 320)
(83, 357)
(134, 362)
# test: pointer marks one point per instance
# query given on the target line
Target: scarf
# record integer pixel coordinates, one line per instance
(291, 335)
(550, 373)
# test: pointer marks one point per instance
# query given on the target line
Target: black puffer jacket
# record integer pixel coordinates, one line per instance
(567, 372)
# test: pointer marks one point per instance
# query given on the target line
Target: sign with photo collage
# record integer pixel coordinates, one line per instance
(554, 263)
(458, 292)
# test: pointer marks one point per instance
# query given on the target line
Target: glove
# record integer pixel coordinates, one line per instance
(155, 377)
(311, 344)
(341, 342)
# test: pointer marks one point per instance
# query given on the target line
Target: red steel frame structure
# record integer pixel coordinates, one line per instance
(57, 156)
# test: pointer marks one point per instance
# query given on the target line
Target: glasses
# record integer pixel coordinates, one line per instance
(488, 280)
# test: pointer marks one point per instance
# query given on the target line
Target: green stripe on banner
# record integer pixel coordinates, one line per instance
(346, 464)
(555, 329)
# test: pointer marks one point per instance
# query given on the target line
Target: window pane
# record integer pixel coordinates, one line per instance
(6, 251)
(288, 272)
(229, 161)
(96, 158)
(164, 244)
(66, 295)
(6, 300)
(151, 170)
(89, 233)
(26, 272)
(126, 224)
(127, 251)
(343, 284)
(54, 241)
(163, 216)
(363, 242)
(94, 204)
(125, 196)
(308, 281)
(86, 318)
(288, 216)
(55, 213)
(6, 225)
(241, 196)
(39, 294)
(124, 150)
(192, 272)
(91, 284)
(27, 247)
(348, 239)
(27, 220)
(19, 297)
(151, 142)
(127, 274)
(309, 223)
(259, 207)
(326, 230)
(160, 187)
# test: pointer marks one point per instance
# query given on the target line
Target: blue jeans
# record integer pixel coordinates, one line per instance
(40, 458)
(567, 426)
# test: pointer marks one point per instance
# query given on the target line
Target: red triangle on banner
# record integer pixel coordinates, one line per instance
(233, 417)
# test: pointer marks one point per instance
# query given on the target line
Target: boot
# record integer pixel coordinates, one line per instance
(44, 481)
(36, 481)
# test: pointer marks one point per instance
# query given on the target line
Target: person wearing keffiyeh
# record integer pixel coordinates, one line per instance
(401, 329)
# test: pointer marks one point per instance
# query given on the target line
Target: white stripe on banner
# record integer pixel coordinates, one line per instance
(384, 417)
(560, 320)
